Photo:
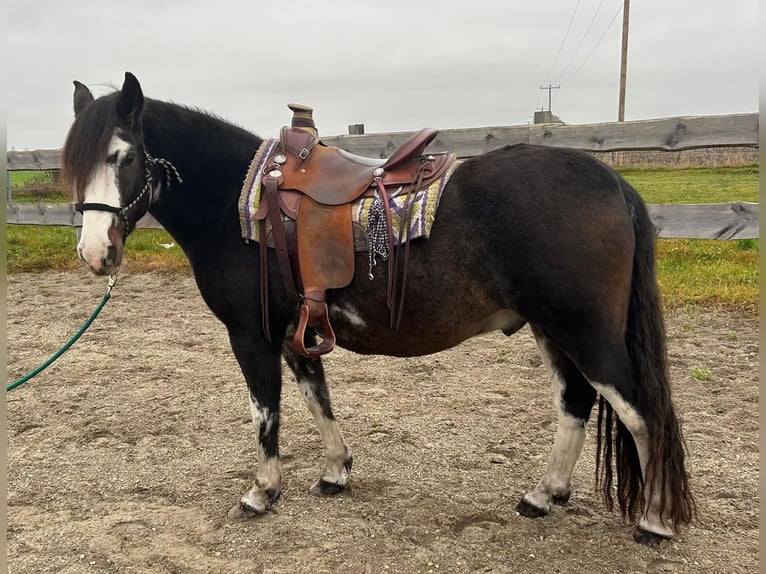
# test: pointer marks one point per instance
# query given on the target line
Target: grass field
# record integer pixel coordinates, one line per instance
(712, 273)
(695, 185)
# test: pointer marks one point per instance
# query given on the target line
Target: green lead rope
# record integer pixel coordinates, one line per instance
(77, 335)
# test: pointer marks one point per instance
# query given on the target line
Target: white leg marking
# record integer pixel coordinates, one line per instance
(635, 423)
(102, 188)
(567, 445)
(268, 479)
(337, 452)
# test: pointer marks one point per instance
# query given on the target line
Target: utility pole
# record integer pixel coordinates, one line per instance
(624, 61)
(549, 88)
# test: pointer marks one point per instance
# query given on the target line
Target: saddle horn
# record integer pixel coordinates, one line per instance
(303, 118)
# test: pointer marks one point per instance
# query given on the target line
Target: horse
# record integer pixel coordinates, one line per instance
(523, 235)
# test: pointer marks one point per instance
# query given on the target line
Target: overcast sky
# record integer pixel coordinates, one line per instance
(394, 65)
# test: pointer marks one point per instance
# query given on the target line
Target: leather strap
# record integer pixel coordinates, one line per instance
(391, 288)
(278, 231)
(298, 143)
(270, 185)
(264, 265)
(80, 206)
(404, 227)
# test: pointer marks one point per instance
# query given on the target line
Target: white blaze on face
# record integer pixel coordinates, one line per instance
(102, 188)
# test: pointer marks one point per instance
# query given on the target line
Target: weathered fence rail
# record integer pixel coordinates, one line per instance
(736, 220)
(668, 134)
(718, 221)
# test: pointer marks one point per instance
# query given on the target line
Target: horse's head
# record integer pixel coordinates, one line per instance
(113, 177)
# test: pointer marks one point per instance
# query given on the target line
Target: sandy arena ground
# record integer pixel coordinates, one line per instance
(126, 455)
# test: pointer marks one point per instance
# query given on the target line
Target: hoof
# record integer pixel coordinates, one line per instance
(561, 499)
(324, 487)
(529, 510)
(255, 503)
(242, 512)
(648, 538)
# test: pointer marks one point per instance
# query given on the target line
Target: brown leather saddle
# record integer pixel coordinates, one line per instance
(312, 184)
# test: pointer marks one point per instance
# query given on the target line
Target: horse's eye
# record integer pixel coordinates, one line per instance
(129, 157)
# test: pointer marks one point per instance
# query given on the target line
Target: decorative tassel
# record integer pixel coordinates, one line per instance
(377, 232)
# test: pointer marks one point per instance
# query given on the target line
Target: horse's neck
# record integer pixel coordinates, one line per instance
(211, 157)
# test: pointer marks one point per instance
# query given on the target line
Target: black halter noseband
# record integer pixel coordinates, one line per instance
(169, 170)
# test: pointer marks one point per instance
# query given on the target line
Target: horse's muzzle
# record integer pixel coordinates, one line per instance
(107, 264)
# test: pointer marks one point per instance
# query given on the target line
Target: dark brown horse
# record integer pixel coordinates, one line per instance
(523, 235)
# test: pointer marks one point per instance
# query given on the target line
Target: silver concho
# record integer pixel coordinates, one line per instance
(275, 173)
(280, 159)
(379, 171)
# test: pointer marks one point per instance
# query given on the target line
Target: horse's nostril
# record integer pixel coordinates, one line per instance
(111, 256)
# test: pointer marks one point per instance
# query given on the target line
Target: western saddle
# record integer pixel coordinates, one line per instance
(313, 185)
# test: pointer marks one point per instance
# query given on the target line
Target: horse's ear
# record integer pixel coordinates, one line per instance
(131, 100)
(82, 97)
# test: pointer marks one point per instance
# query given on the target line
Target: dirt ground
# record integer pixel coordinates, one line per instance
(127, 453)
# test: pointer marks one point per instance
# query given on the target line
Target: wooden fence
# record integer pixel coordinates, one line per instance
(717, 221)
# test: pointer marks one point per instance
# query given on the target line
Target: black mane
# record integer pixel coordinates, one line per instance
(88, 138)
(165, 125)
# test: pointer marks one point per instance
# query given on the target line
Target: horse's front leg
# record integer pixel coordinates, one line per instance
(260, 364)
(309, 374)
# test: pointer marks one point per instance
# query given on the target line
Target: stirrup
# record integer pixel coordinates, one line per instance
(324, 331)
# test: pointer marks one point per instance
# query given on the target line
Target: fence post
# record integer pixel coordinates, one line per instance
(8, 185)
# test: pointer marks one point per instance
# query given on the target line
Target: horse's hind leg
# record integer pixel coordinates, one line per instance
(309, 374)
(653, 524)
(573, 398)
(608, 368)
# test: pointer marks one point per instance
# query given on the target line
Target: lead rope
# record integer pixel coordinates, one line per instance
(77, 335)
(168, 168)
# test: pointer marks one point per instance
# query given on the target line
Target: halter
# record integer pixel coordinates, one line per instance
(169, 170)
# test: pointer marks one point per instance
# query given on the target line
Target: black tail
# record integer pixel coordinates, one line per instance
(645, 339)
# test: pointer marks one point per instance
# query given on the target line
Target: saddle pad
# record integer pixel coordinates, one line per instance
(424, 202)
(251, 191)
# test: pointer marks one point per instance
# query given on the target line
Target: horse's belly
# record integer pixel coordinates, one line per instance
(371, 334)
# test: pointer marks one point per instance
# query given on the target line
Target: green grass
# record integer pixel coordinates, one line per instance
(710, 273)
(720, 274)
(39, 194)
(701, 373)
(38, 187)
(36, 248)
(22, 178)
(695, 185)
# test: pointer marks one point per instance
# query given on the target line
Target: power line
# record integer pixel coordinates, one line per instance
(566, 35)
(598, 43)
(585, 35)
